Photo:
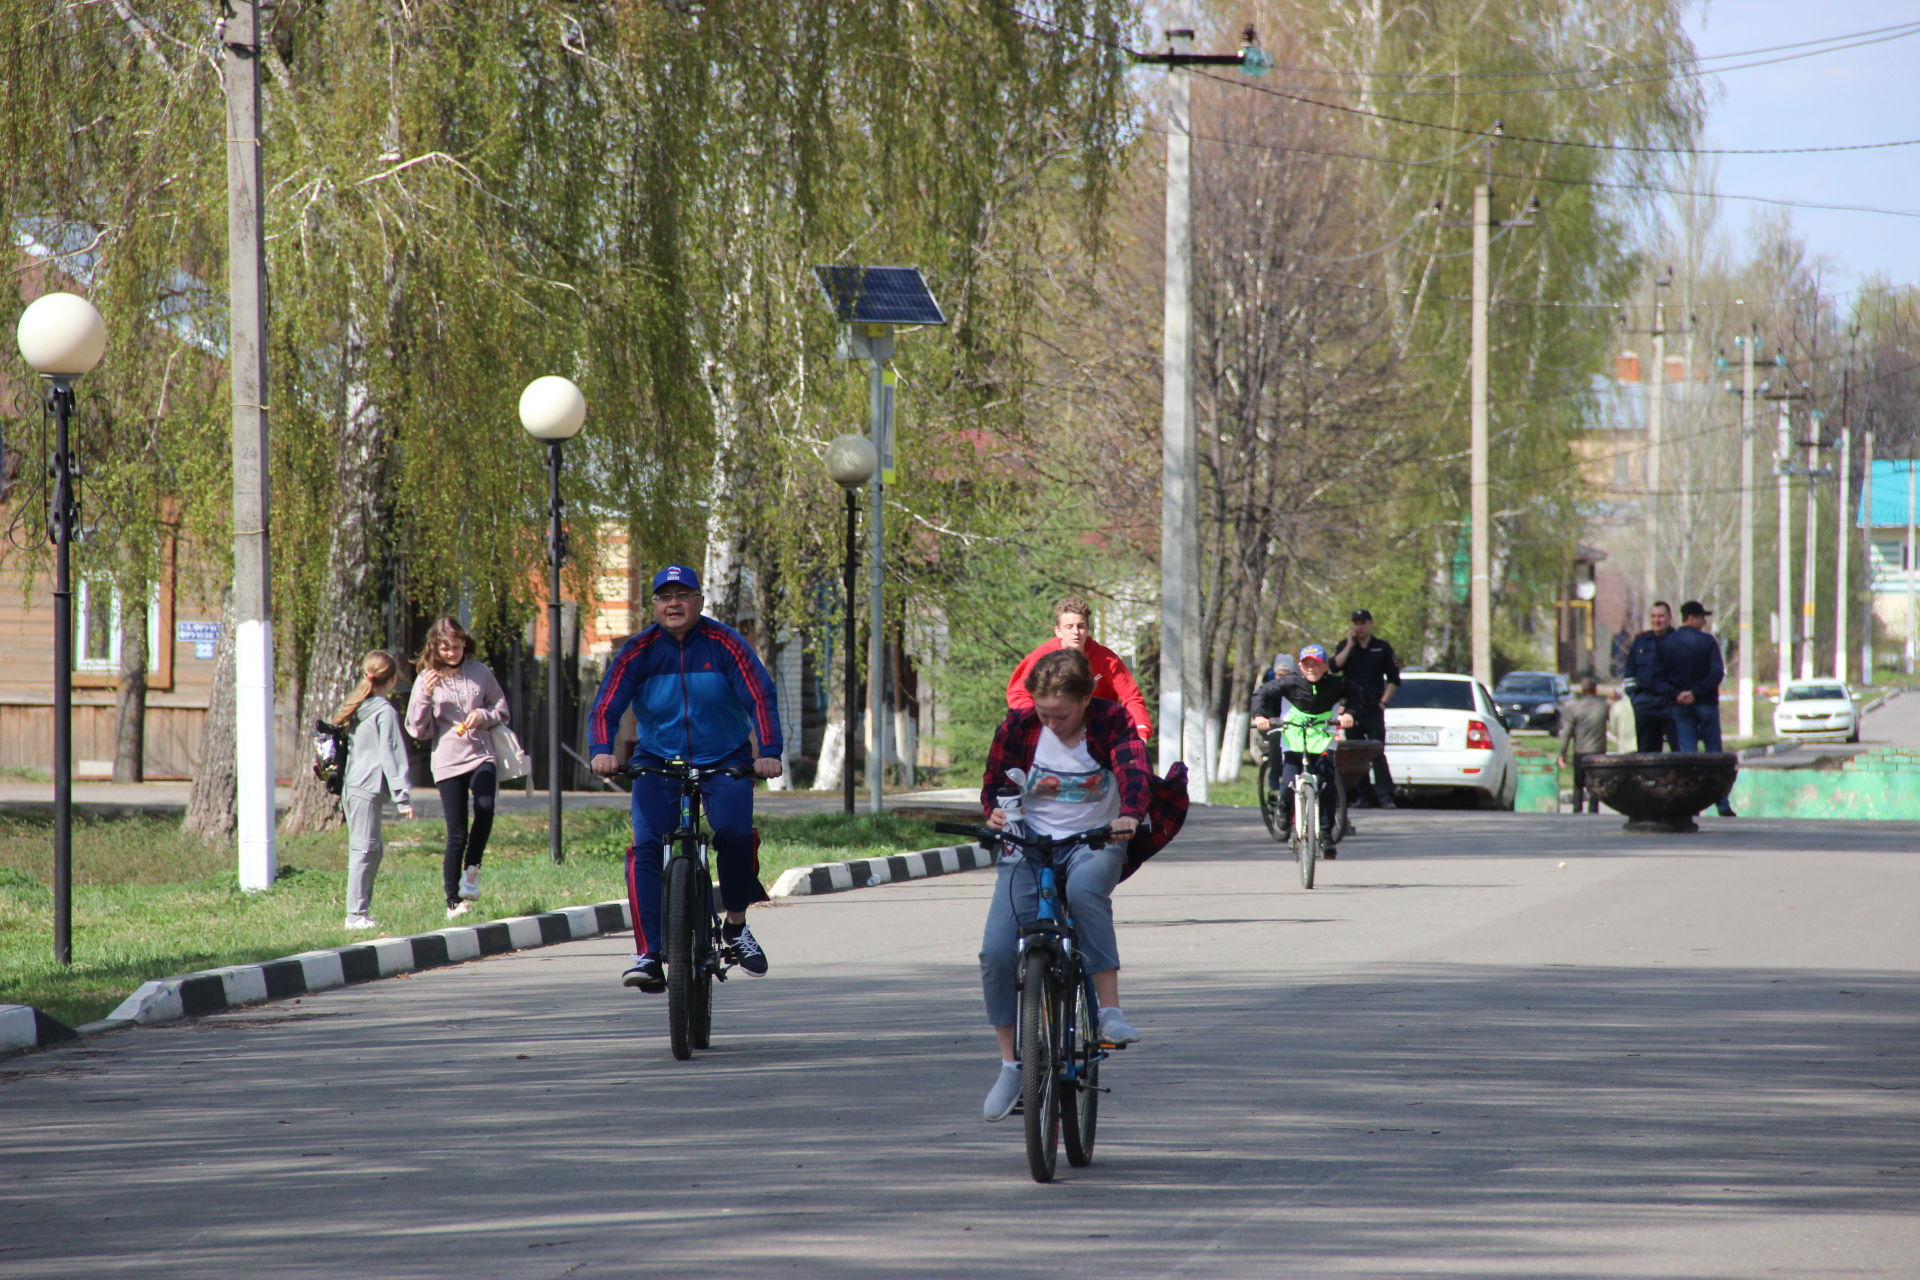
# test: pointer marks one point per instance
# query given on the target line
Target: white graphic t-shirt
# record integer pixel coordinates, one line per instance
(1087, 795)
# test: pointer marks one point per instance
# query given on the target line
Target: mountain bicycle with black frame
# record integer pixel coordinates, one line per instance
(1057, 1032)
(697, 956)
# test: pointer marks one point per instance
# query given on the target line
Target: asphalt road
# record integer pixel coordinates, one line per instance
(1488, 1045)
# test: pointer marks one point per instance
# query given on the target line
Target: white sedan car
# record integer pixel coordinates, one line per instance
(1811, 710)
(1443, 734)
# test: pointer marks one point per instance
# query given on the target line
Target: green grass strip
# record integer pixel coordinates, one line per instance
(149, 902)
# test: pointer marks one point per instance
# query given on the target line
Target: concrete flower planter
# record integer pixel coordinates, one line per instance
(1661, 791)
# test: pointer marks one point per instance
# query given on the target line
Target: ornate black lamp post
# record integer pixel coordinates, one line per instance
(851, 461)
(552, 409)
(62, 336)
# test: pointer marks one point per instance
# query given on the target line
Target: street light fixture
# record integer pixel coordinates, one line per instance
(62, 336)
(851, 461)
(870, 303)
(552, 409)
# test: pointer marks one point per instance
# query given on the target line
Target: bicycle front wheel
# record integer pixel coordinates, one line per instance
(1080, 1105)
(1306, 830)
(683, 914)
(1039, 1064)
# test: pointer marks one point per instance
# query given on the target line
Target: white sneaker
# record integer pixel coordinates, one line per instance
(459, 909)
(1114, 1027)
(470, 883)
(362, 922)
(1005, 1094)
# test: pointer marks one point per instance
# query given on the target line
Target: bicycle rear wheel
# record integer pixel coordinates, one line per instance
(1342, 824)
(1306, 828)
(700, 1003)
(1270, 803)
(1039, 1067)
(1080, 1104)
(683, 876)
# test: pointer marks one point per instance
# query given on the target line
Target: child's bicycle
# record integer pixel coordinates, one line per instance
(1057, 1032)
(1313, 737)
(696, 957)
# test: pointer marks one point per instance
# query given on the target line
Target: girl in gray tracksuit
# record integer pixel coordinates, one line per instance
(376, 762)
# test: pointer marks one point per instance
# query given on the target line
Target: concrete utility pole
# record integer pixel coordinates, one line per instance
(1782, 471)
(1479, 504)
(1842, 535)
(1480, 507)
(881, 382)
(1911, 567)
(1809, 566)
(247, 358)
(1179, 482)
(1183, 713)
(1744, 660)
(1656, 385)
(1866, 551)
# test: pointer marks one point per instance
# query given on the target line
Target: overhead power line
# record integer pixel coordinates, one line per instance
(1644, 148)
(1613, 77)
(1650, 149)
(1654, 187)
(1903, 28)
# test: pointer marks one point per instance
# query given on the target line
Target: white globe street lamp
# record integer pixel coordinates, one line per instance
(62, 336)
(552, 409)
(851, 461)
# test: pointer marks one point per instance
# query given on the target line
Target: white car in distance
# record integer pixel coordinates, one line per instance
(1444, 735)
(1816, 711)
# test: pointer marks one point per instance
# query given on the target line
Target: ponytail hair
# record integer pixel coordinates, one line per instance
(378, 670)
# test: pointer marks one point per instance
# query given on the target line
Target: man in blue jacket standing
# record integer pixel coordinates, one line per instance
(697, 691)
(1691, 672)
(1646, 682)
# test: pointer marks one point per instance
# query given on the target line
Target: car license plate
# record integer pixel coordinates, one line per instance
(1413, 737)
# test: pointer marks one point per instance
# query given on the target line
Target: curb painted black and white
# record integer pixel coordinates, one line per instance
(863, 873)
(191, 995)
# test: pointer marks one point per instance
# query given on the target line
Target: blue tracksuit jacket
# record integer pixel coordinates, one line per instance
(694, 698)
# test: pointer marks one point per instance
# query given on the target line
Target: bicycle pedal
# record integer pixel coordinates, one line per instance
(1110, 1045)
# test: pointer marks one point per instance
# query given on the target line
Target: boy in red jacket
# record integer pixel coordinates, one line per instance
(1072, 629)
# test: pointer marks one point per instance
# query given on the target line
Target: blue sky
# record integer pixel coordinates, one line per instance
(1867, 94)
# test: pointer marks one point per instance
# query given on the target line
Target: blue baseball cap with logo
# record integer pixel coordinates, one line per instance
(676, 574)
(1317, 652)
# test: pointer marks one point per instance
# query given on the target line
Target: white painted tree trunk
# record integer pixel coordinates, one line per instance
(833, 758)
(1232, 746)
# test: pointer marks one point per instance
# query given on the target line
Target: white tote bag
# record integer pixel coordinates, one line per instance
(509, 757)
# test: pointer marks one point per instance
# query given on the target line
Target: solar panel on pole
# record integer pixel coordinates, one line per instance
(879, 295)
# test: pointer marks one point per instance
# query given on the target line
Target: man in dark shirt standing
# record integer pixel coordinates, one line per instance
(1692, 669)
(1646, 681)
(1371, 669)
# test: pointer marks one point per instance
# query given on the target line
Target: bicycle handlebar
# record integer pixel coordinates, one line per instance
(683, 773)
(1096, 838)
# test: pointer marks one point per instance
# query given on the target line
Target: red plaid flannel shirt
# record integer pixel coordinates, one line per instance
(1113, 743)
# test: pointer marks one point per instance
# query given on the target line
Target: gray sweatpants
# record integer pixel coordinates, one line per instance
(364, 849)
(1091, 876)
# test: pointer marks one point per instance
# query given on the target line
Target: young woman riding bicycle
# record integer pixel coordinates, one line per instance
(1078, 764)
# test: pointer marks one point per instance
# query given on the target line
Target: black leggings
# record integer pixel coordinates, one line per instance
(465, 848)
